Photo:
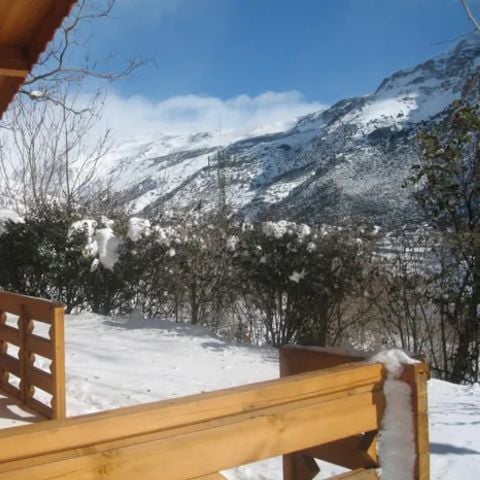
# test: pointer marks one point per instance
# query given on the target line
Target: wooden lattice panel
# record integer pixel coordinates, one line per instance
(32, 365)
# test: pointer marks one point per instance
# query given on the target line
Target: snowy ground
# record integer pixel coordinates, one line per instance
(115, 362)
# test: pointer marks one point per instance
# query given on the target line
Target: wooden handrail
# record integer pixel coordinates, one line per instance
(220, 430)
(327, 413)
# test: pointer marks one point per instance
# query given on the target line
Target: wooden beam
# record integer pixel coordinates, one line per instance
(215, 445)
(81, 432)
(57, 336)
(352, 452)
(30, 27)
(13, 68)
(298, 358)
(13, 62)
(9, 86)
(299, 467)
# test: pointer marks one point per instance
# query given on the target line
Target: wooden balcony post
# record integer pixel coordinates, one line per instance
(57, 367)
(416, 376)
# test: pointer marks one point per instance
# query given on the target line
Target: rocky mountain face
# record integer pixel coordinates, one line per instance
(347, 160)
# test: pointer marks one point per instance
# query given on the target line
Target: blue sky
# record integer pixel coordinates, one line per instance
(310, 52)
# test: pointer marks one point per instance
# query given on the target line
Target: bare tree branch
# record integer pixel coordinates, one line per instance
(62, 61)
(470, 14)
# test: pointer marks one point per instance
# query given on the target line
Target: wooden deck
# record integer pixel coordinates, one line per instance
(327, 406)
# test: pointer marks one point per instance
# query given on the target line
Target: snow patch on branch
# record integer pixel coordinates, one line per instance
(396, 443)
(297, 276)
(281, 228)
(138, 227)
(87, 226)
(8, 215)
(232, 242)
(108, 244)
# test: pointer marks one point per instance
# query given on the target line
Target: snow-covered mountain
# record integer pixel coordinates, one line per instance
(349, 159)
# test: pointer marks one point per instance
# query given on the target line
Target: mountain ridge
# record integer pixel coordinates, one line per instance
(347, 160)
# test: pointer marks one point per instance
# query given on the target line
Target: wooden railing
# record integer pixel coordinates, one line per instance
(31, 328)
(358, 452)
(198, 436)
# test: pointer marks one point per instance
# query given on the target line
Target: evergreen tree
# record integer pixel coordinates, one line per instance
(448, 181)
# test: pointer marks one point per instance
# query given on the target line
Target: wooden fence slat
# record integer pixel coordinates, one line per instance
(10, 364)
(40, 346)
(40, 379)
(10, 335)
(11, 390)
(235, 440)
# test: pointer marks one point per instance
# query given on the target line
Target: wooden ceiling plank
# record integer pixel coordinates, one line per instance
(5, 7)
(23, 20)
(51, 21)
(8, 88)
(13, 62)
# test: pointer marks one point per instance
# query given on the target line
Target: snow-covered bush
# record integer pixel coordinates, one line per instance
(144, 268)
(42, 256)
(177, 270)
(296, 277)
(286, 278)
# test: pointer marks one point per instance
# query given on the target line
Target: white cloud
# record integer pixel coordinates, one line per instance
(137, 116)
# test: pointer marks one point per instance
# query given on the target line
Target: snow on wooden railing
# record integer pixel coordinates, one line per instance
(360, 452)
(32, 358)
